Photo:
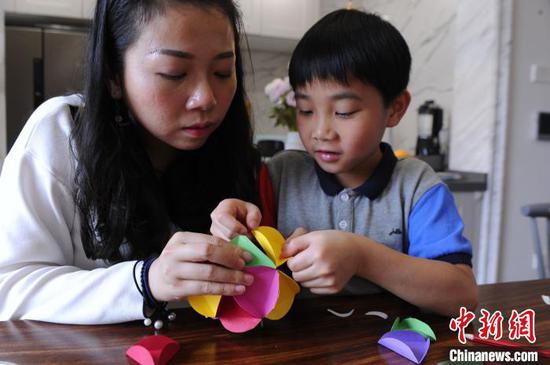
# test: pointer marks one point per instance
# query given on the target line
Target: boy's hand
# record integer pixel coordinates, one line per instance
(323, 261)
(297, 233)
(233, 217)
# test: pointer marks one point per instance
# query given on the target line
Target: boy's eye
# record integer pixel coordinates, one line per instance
(345, 114)
(171, 77)
(305, 112)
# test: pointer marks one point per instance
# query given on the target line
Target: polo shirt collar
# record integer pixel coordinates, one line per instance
(373, 186)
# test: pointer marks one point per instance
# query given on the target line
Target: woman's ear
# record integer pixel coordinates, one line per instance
(398, 107)
(115, 88)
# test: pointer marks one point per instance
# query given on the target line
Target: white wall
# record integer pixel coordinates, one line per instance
(2, 90)
(527, 166)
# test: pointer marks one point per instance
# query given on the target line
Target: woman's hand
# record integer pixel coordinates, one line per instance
(233, 217)
(198, 264)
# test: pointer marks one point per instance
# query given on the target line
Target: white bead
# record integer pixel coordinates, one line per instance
(158, 324)
(172, 316)
(147, 322)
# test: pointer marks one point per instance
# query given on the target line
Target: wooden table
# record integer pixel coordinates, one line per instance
(309, 334)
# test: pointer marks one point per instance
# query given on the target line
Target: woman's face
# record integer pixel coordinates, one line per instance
(179, 77)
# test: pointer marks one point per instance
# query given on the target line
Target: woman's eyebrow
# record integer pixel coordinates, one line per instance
(224, 55)
(172, 52)
(188, 55)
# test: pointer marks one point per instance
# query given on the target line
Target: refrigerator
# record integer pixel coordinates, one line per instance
(42, 61)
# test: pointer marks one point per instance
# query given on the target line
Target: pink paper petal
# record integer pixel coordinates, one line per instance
(408, 344)
(153, 350)
(260, 297)
(234, 318)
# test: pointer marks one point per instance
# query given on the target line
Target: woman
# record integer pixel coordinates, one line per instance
(97, 182)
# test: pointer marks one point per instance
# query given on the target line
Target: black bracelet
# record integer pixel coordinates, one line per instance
(147, 296)
(154, 311)
(135, 280)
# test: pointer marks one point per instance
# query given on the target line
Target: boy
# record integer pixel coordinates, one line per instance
(368, 218)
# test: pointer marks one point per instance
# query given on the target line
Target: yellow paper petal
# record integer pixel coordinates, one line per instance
(207, 305)
(272, 242)
(288, 289)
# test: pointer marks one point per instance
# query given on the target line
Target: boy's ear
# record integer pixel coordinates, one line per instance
(398, 108)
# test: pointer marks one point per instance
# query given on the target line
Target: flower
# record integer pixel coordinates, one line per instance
(271, 294)
(281, 94)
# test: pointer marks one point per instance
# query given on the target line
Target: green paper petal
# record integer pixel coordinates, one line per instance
(414, 324)
(258, 257)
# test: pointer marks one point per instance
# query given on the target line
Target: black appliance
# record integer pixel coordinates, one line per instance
(430, 123)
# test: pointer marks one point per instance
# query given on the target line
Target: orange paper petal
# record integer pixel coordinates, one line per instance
(207, 305)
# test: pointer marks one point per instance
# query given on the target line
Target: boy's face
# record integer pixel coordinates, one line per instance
(341, 126)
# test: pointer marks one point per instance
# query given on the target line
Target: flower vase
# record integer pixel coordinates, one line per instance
(293, 142)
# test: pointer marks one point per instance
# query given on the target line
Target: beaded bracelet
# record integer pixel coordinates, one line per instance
(153, 310)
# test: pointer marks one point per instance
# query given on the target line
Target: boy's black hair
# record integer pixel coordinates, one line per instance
(348, 44)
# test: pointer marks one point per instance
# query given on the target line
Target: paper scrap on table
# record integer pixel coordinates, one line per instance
(153, 350)
(270, 296)
(377, 314)
(546, 299)
(409, 344)
(415, 325)
(341, 315)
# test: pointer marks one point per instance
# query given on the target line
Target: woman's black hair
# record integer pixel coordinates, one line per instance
(126, 211)
(348, 44)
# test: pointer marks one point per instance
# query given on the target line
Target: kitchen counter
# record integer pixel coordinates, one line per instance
(463, 181)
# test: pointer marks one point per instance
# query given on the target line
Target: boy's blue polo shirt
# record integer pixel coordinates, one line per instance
(403, 205)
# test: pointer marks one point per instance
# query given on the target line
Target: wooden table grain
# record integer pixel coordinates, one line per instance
(309, 334)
